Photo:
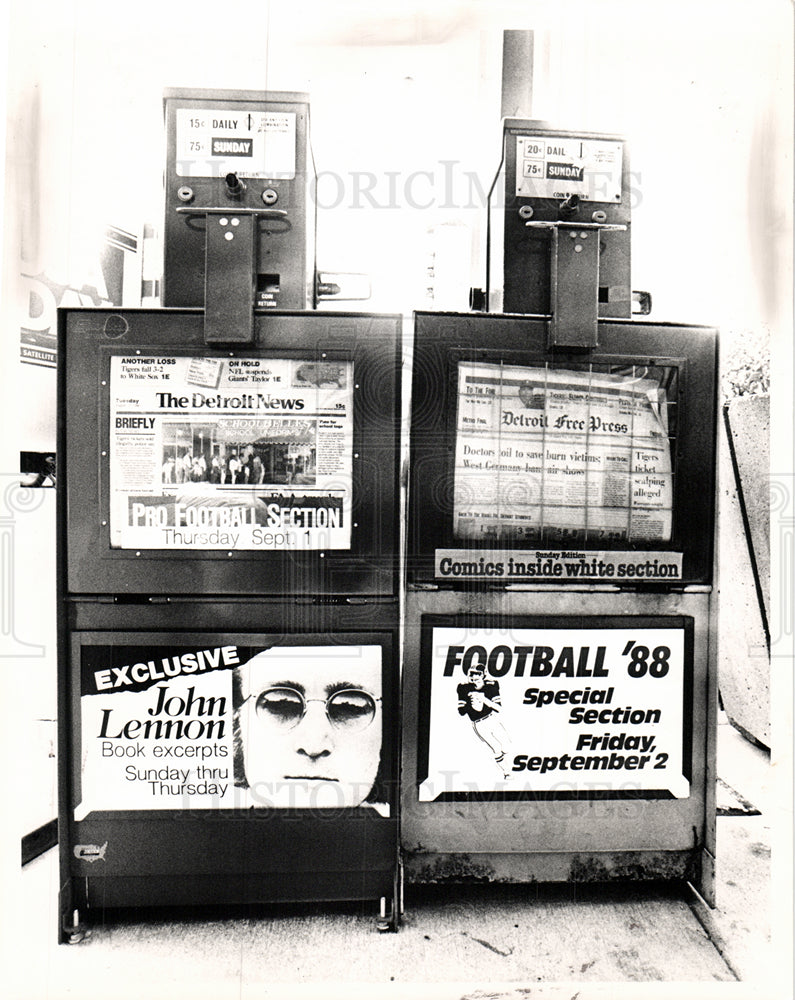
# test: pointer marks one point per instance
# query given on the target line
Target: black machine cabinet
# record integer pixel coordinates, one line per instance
(238, 162)
(228, 615)
(170, 800)
(548, 176)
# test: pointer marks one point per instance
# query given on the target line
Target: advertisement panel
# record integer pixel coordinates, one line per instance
(554, 565)
(230, 453)
(219, 725)
(573, 707)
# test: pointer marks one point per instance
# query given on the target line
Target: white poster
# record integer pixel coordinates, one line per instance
(227, 726)
(565, 456)
(230, 453)
(556, 710)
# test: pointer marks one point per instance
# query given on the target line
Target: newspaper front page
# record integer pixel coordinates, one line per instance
(556, 455)
(230, 453)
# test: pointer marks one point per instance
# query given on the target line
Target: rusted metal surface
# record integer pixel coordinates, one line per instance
(632, 867)
(574, 867)
(453, 868)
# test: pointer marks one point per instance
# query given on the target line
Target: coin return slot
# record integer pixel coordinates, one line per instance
(267, 284)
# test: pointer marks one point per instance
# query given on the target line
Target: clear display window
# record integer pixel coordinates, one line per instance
(559, 456)
(231, 453)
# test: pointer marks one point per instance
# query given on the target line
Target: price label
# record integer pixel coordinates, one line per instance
(213, 142)
(549, 166)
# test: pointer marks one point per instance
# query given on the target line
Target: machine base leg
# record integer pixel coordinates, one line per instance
(391, 911)
(75, 930)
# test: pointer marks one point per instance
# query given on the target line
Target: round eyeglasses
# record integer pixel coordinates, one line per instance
(349, 709)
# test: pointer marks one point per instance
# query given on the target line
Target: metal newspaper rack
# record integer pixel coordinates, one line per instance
(560, 679)
(228, 612)
(560, 667)
(227, 567)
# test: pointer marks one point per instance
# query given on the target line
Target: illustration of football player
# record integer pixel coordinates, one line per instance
(479, 699)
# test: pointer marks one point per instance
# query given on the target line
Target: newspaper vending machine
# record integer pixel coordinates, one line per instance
(227, 570)
(228, 615)
(559, 680)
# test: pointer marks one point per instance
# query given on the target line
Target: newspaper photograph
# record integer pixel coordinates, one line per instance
(558, 455)
(230, 453)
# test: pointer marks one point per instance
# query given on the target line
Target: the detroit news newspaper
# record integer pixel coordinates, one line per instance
(566, 455)
(230, 453)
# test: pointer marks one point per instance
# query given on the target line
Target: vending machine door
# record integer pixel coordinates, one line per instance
(266, 469)
(535, 465)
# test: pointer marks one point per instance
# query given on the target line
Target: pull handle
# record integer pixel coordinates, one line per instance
(344, 286)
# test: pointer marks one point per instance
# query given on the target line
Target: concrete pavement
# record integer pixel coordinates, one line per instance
(467, 941)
